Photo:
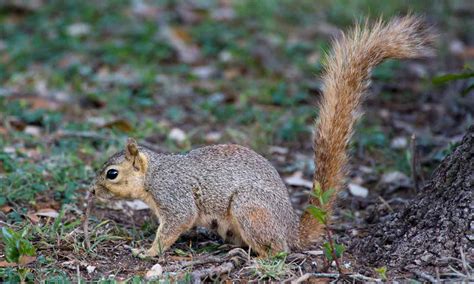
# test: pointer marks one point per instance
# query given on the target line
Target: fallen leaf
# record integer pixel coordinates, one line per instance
(204, 72)
(33, 218)
(122, 205)
(297, 180)
(155, 271)
(137, 205)
(181, 41)
(7, 264)
(26, 259)
(90, 269)
(32, 130)
(47, 212)
(6, 209)
(315, 252)
(120, 124)
(41, 103)
(78, 29)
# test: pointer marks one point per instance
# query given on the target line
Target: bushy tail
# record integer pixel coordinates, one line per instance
(346, 79)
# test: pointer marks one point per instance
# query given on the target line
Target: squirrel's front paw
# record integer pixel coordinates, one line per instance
(143, 254)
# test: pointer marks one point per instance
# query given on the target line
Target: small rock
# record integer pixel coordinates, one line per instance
(9, 150)
(366, 170)
(177, 135)
(457, 47)
(225, 56)
(399, 143)
(78, 29)
(90, 269)
(204, 72)
(213, 137)
(33, 130)
(154, 272)
(398, 178)
(357, 190)
(315, 252)
(278, 150)
(394, 180)
(426, 257)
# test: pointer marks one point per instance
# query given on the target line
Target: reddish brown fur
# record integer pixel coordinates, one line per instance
(345, 82)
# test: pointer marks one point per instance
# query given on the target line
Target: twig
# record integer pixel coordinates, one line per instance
(386, 204)
(209, 259)
(90, 198)
(425, 276)
(414, 162)
(360, 277)
(226, 267)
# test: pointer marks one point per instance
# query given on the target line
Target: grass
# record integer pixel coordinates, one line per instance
(120, 76)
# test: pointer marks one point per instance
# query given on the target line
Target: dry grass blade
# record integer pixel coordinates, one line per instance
(90, 199)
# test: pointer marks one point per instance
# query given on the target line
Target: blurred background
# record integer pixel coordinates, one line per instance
(78, 77)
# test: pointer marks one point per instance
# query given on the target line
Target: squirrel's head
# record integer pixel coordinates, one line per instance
(123, 175)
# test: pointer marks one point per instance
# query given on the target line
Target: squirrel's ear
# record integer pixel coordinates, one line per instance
(132, 154)
(131, 150)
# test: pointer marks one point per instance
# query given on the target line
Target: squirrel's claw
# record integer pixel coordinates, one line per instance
(143, 254)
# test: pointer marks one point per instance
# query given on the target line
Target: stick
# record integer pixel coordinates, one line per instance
(414, 162)
(226, 267)
(209, 259)
(425, 276)
(360, 277)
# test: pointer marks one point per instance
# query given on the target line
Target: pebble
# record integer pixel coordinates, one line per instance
(177, 135)
(399, 143)
(154, 272)
(357, 190)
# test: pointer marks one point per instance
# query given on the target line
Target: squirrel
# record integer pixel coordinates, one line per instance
(237, 192)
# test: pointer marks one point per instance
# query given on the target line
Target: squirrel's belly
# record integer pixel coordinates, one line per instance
(223, 226)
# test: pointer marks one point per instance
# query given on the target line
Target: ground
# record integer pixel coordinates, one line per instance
(78, 78)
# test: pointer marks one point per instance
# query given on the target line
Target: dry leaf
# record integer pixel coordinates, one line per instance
(154, 272)
(297, 180)
(26, 259)
(33, 218)
(182, 43)
(7, 264)
(6, 209)
(120, 124)
(47, 212)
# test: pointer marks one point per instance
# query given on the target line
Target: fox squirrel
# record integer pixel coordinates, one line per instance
(238, 193)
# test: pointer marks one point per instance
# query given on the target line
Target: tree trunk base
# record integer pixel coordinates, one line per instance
(436, 229)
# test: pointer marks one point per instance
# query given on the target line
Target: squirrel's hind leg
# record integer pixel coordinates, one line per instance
(258, 228)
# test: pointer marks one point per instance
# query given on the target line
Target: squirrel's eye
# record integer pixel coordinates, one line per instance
(112, 174)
